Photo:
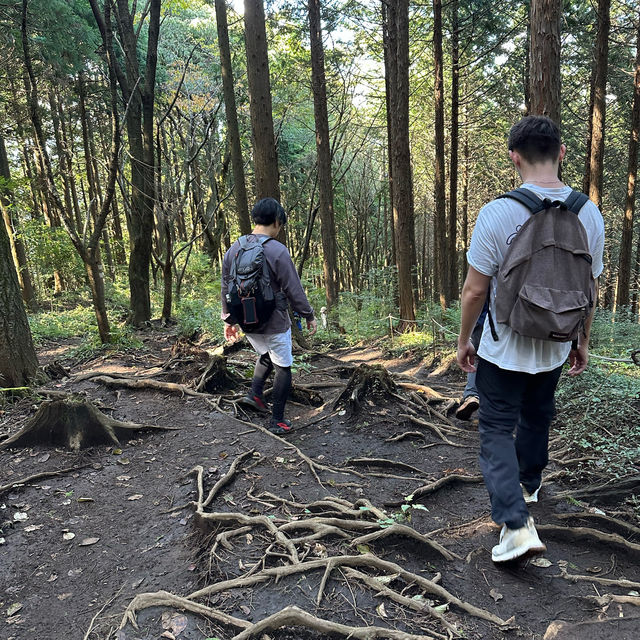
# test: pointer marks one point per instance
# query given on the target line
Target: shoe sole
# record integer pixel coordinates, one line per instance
(532, 497)
(280, 432)
(466, 412)
(520, 553)
(247, 402)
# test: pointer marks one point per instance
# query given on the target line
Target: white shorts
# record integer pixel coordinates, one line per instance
(278, 345)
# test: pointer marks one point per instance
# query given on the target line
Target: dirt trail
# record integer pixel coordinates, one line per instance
(336, 492)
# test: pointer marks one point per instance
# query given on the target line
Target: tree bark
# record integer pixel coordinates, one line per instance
(596, 154)
(233, 131)
(403, 213)
(440, 287)
(15, 241)
(544, 53)
(18, 361)
(265, 155)
(624, 265)
(452, 250)
(325, 181)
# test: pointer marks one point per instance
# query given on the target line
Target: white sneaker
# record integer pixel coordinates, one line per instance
(530, 497)
(516, 543)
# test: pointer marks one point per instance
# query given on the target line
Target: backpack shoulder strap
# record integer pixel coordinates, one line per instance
(242, 241)
(526, 198)
(264, 239)
(576, 201)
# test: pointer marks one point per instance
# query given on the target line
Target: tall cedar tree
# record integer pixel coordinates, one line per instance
(15, 240)
(403, 216)
(265, 155)
(325, 186)
(233, 131)
(440, 288)
(18, 361)
(624, 265)
(544, 58)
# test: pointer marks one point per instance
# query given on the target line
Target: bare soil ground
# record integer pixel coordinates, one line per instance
(371, 518)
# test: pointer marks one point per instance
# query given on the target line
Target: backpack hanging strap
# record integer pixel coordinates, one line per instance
(576, 201)
(526, 198)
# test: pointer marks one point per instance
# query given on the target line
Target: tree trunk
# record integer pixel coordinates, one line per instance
(233, 131)
(325, 181)
(439, 223)
(18, 361)
(15, 241)
(596, 154)
(452, 250)
(624, 265)
(403, 214)
(265, 155)
(544, 53)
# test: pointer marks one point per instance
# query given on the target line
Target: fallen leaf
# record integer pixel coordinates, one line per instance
(635, 594)
(117, 452)
(87, 542)
(64, 596)
(44, 458)
(72, 573)
(52, 578)
(495, 595)
(279, 459)
(168, 635)
(2, 540)
(136, 496)
(320, 550)
(363, 548)
(123, 478)
(14, 608)
(245, 609)
(387, 579)
(174, 622)
(19, 516)
(123, 461)
(594, 569)
(86, 500)
(33, 527)
(68, 535)
(541, 562)
(381, 610)
(442, 608)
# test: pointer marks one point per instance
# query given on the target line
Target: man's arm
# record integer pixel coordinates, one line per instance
(292, 287)
(579, 358)
(474, 294)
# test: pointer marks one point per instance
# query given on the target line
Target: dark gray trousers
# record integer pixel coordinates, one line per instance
(511, 401)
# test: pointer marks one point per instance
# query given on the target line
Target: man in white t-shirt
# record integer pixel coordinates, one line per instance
(517, 376)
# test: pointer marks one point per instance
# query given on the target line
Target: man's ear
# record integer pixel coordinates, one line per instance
(563, 151)
(515, 158)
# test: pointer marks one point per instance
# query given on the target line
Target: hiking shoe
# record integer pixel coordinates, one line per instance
(255, 402)
(530, 497)
(517, 543)
(468, 406)
(279, 427)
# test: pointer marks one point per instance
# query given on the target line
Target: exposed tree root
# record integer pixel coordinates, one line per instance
(293, 616)
(410, 603)
(38, 476)
(383, 462)
(407, 532)
(585, 532)
(145, 383)
(74, 424)
(216, 377)
(606, 599)
(406, 434)
(609, 491)
(614, 522)
(622, 583)
(430, 393)
(438, 484)
(434, 427)
(366, 560)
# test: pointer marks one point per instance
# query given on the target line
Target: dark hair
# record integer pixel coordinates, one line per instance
(535, 138)
(267, 211)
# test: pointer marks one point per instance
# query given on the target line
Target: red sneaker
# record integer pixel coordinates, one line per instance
(255, 402)
(279, 427)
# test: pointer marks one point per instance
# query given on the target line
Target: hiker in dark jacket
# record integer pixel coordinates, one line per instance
(272, 340)
(517, 375)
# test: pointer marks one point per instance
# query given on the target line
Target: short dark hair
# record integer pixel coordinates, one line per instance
(267, 211)
(535, 138)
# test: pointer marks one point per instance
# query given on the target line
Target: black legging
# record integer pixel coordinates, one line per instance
(281, 383)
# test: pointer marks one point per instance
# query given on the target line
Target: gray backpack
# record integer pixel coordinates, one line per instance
(545, 287)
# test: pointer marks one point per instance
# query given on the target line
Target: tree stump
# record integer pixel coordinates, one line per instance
(216, 377)
(368, 382)
(74, 424)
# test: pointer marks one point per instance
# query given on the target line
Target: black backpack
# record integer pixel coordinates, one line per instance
(545, 288)
(250, 298)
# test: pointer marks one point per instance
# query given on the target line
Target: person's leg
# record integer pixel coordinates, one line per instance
(501, 394)
(263, 369)
(532, 434)
(280, 392)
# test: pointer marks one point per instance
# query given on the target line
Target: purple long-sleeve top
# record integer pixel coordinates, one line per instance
(284, 277)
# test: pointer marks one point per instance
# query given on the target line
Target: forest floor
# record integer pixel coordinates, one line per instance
(368, 516)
